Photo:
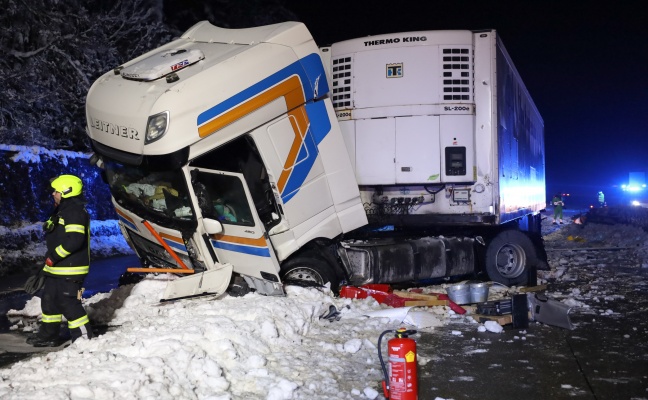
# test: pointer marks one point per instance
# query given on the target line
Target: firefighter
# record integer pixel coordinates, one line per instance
(601, 199)
(558, 209)
(67, 262)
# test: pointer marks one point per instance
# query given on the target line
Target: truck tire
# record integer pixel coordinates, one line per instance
(309, 271)
(509, 257)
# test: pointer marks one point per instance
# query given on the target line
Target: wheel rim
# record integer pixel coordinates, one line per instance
(510, 260)
(304, 274)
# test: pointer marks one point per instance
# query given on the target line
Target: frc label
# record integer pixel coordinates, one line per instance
(179, 65)
(114, 129)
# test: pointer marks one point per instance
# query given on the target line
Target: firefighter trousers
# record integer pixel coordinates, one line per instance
(61, 298)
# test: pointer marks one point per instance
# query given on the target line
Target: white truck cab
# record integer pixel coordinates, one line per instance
(235, 163)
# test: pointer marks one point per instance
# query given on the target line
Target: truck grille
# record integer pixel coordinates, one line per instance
(457, 74)
(342, 82)
(156, 254)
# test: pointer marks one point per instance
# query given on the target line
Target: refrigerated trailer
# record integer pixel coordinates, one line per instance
(445, 140)
(253, 153)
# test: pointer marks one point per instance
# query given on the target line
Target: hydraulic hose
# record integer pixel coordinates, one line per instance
(382, 364)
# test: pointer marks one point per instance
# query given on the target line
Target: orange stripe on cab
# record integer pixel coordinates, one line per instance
(260, 241)
(172, 238)
(126, 217)
(290, 89)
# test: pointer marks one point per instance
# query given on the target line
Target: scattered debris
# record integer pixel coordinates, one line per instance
(332, 313)
(532, 288)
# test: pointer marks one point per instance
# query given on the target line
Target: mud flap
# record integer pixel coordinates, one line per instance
(212, 282)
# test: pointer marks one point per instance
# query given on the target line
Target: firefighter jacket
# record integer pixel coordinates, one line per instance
(68, 240)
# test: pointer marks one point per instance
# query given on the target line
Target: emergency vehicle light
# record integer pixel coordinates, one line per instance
(633, 188)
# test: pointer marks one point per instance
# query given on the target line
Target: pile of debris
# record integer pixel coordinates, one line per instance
(512, 306)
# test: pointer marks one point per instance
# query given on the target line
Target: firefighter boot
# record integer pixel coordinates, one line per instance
(39, 341)
(47, 336)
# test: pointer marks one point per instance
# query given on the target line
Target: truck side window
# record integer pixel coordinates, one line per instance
(222, 197)
(241, 156)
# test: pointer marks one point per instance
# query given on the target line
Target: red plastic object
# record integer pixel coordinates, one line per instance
(380, 287)
(380, 292)
(352, 292)
(453, 306)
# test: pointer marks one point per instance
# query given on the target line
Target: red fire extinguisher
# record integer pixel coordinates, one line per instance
(401, 382)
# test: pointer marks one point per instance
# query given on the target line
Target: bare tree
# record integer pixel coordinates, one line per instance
(54, 50)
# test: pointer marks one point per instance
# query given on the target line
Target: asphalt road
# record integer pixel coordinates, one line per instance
(604, 357)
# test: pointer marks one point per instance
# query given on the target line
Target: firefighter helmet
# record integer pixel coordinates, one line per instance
(67, 185)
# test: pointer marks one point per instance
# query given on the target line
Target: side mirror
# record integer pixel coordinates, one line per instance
(212, 227)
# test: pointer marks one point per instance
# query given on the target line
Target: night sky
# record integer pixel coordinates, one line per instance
(585, 64)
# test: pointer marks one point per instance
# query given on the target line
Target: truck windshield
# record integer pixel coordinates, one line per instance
(162, 193)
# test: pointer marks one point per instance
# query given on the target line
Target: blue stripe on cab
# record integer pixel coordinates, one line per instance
(315, 71)
(253, 251)
(301, 170)
(128, 223)
(320, 124)
(175, 245)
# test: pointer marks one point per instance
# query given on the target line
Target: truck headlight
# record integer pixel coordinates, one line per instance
(156, 126)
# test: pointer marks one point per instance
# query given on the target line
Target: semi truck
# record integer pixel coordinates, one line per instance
(254, 156)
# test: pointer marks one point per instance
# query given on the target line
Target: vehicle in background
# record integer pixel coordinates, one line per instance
(635, 191)
(228, 152)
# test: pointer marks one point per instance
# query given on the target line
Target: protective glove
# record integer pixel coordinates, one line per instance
(50, 224)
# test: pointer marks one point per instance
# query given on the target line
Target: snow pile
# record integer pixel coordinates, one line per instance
(253, 347)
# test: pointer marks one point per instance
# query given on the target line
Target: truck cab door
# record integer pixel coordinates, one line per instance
(244, 243)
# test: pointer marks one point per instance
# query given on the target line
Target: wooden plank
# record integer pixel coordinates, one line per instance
(425, 303)
(532, 288)
(412, 295)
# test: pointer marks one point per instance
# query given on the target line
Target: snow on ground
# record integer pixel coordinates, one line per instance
(253, 347)
(257, 347)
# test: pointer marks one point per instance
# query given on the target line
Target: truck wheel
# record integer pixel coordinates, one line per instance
(509, 257)
(308, 271)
